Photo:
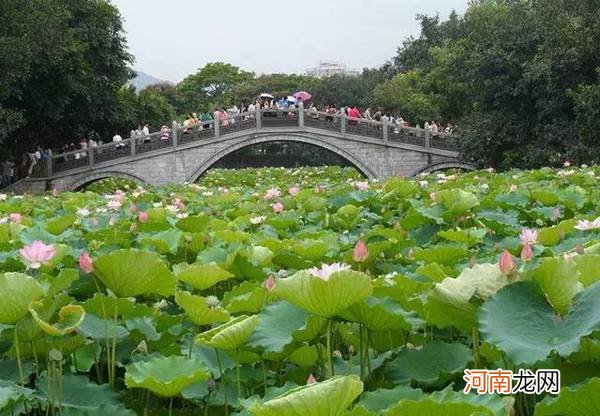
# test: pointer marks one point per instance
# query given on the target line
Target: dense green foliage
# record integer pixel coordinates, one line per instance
(200, 299)
(61, 65)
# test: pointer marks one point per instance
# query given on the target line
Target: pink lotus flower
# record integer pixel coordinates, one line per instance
(85, 263)
(311, 380)
(326, 270)
(277, 207)
(528, 236)
(360, 253)
(294, 190)
(272, 193)
(270, 283)
(526, 253)
(362, 185)
(37, 254)
(143, 217)
(506, 263)
(585, 225)
(15, 217)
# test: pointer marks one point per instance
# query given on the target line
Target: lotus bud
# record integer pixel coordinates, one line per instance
(360, 253)
(85, 263)
(311, 380)
(270, 283)
(277, 207)
(143, 217)
(513, 188)
(526, 253)
(506, 263)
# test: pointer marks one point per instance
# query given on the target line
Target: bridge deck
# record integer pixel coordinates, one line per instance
(260, 122)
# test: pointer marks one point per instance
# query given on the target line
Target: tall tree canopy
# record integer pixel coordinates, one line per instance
(61, 65)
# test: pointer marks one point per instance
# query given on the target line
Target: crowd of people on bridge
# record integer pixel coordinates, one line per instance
(269, 105)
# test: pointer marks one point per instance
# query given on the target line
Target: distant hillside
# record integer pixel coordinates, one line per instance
(142, 80)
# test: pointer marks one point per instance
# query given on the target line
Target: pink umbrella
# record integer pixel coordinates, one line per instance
(303, 96)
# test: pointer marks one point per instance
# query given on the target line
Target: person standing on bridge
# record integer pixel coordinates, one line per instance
(353, 115)
(146, 133)
(118, 141)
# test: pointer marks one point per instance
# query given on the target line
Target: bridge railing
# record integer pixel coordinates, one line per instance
(222, 125)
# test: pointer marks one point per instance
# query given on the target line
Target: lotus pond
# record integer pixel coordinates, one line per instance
(306, 292)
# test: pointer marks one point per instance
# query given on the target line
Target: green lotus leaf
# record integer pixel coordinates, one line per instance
(430, 407)
(59, 225)
(134, 272)
(201, 276)
(278, 322)
(17, 291)
(249, 297)
(499, 405)
(12, 394)
(328, 398)
(482, 280)
(430, 364)
(231, 335)
(166, 376)
(582, 399)
(379, 400)
(379, 314)
(193, 223)
(457, 201)
(588, 267)
(102, 410)
(69, 319)
(198, 310)
(164, 242)
(558, 278)
(80, 394)
(304, 356)
(529, 340)
(446, 255)
(445, 312)
(324, 298)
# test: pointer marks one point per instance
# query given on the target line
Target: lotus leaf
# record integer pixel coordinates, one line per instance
(558, 278)
(430, 363)
(328, 398)
(379, 314)
(166, 376)
(69, 319)
(324, 298)
(201, 276)
(430, 407)
(482, 280)
(198, 310)
(18, 291)
(533, 339)
(277, 324)
(134, 272)
(231, 335)
(582, 399)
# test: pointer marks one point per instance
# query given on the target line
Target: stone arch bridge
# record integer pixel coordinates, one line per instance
(179, 155)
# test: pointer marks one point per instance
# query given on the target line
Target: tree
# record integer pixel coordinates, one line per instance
(212, 86)
(277, 84)
(344, 90)
(64, 62)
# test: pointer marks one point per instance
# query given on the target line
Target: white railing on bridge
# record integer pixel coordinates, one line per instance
(263, 119)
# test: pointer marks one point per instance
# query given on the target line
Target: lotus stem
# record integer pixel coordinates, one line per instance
(192, 343)
(18, 352)
(222, 381)
(361, 352)
(264, 371)
(170, 406)
(329, 366)
(475, 340)
(237, 374)
(113, 363)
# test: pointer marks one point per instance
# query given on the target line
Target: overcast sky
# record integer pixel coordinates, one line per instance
(173, 38)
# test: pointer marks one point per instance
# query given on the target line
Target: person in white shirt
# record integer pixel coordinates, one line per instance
(118, 140)
(146, 133)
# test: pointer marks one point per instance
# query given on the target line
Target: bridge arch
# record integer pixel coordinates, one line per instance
(88, 179)
(356, 162)
(436, 167)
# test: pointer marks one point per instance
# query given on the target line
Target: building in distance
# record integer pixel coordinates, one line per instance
(327, 69)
